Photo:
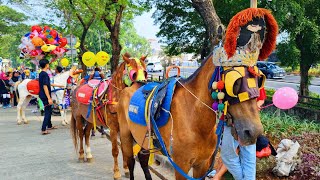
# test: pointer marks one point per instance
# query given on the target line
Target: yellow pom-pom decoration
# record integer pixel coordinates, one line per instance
(221, 95)
(214, 85)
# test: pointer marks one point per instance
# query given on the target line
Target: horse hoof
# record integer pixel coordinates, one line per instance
(117, 175)
(81, 160)
(63, 123)
(127, 174)
(19, 123)
(26, 122)
(89, 160)
(103, 136)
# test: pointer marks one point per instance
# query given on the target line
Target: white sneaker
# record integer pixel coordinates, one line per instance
(0, 105)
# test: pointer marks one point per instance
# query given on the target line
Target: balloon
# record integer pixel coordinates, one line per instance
(102, 58)
(63, 42)
(64, 62)
(27, 35)
(36, 28)
(53, 33)
(33, 53)
(37, 41)
(48, 48)
(285, 98)
(88, 59)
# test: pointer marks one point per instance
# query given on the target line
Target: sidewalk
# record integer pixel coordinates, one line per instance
(25, 154)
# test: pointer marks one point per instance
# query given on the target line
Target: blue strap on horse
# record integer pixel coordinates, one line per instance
(55, 90)
(164, 149)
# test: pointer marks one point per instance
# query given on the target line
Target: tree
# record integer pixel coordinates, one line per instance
(115, 12)
(132, 43)
(12, 29)
(190, 26)
(301, 20)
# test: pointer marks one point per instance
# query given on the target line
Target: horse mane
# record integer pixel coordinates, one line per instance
(195, 74)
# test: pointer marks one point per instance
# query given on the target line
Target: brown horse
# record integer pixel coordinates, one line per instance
(134, 70)
(190, 131)
(193, 123)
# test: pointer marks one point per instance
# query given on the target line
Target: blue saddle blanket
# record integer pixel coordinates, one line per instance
(161, 99)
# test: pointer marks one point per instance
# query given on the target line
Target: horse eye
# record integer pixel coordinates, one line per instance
(237, 86)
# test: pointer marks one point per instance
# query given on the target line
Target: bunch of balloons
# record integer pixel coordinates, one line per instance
(90, 59)
(42, 42)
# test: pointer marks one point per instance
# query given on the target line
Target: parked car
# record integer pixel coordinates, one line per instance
(271, 70)
(154, 66)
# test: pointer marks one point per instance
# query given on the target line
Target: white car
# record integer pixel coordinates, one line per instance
(156, 66)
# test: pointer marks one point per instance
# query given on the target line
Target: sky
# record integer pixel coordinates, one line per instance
(145, 27)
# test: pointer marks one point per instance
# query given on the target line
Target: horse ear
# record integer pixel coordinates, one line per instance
(143, 58)
(126, 59)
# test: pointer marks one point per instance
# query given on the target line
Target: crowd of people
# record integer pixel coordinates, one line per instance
(8, 80)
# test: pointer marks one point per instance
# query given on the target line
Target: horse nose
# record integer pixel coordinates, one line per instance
(252, 133)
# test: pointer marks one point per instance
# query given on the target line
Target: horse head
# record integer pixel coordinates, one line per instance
(251, 35)
(134, 69)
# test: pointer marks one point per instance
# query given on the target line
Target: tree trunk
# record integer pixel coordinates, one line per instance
(212, 21)
(83, 50)
(115, 31)
(116, 49)
(304, 82)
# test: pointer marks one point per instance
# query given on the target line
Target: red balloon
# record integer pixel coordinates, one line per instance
(53, 33)
(63, 42)
(33, 53)
(36, 28)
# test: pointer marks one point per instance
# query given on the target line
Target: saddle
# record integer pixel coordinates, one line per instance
(86, 91)
(33, 87)
(154, 98)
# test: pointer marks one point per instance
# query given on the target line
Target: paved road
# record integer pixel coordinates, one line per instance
(288, 81)
(25, 154)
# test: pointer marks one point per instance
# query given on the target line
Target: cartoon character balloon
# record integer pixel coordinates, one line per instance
(102, 58)
(42, 42)
(89, 59)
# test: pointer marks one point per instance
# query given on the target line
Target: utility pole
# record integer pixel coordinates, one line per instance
(253, 3)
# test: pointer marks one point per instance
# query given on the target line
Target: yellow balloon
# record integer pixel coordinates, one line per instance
(89, 59)
(64, 62)
(102, 58)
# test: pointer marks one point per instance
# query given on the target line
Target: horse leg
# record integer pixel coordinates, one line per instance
(87, 139)
(103, 134)
(19, 109)
(115, 153)
(127, 151)
(183, 164)
(23, 109)
(81, 134)
(63, 116)
(144, 159)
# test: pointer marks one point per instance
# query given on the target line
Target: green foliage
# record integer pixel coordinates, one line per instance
(132, 43)
(181, 27)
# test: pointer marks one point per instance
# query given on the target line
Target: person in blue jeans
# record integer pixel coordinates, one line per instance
(45, 96)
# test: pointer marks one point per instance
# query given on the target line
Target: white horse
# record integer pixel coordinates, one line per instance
(57, 95)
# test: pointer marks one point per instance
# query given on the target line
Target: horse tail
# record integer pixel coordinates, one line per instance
(74, 132)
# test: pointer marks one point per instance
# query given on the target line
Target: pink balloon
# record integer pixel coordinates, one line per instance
(285, 98)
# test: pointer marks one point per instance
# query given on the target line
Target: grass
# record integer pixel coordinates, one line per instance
(284, 126)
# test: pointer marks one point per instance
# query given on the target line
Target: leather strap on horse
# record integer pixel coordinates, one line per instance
(172, 67)
(93, 109)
